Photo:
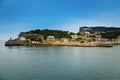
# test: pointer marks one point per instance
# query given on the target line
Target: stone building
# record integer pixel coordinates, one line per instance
(50, 38)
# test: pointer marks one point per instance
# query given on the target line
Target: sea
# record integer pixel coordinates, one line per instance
(59, 63)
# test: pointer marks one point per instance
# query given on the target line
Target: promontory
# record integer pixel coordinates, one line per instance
(98, 36)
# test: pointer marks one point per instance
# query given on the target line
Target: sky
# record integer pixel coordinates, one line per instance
(23, 15)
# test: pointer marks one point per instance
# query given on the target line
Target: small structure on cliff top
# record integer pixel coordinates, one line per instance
(10, 38)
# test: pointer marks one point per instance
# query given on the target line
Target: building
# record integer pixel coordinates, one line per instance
(50, 38)
(22, 38)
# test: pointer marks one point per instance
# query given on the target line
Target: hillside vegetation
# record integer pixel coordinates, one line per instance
(46, 32)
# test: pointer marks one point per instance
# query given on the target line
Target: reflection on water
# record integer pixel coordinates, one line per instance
(59, 63)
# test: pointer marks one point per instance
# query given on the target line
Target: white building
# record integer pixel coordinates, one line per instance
(50, 38)
(22, 38)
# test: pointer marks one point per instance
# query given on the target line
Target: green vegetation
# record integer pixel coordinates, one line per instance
(101, 28)
(46, 32)
(40, 35)
(111, 35)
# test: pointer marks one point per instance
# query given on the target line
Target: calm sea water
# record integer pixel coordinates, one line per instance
(59, 63)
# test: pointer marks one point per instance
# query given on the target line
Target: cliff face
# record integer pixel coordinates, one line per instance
(99, 29)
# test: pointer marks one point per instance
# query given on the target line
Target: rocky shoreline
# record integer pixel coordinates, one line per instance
(75, 44)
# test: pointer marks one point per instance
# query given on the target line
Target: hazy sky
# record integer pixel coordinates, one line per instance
(23, 15)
